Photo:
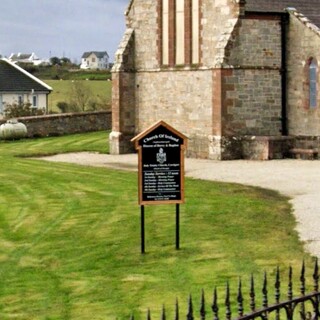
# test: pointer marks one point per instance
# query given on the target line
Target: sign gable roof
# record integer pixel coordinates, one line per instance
(158, 124)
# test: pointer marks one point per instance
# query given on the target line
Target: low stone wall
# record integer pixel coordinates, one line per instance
(266, 147)
(66, 123)
(307, 142)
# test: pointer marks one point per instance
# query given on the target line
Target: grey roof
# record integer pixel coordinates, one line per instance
(21, 56)
(99, 54)
(309, 8)
(15, 79)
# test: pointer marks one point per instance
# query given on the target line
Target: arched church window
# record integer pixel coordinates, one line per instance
(195, 31)
(165, 32)
(313, 90)
(180, 32)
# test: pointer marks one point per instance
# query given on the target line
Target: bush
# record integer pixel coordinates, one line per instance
(65, 107)
(16, 110)
(29, 67)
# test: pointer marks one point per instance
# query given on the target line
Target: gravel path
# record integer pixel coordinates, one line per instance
(298, 179)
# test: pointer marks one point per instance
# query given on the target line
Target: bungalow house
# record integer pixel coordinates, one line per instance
(17, 86)
(27, 58)
(95, 60)
(240, 78)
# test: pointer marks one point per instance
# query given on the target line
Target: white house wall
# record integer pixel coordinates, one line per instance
(88, 63)
(13, 98)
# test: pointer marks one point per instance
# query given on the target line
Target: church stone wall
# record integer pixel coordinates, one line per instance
(143, 18)
(181, 98)
(252, 89)
(219, 18)
(179, 95)
(258, 44)
(235, 90)
(304, 43)
(252, 102)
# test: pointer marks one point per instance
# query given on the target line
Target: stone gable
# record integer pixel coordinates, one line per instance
(247, 88)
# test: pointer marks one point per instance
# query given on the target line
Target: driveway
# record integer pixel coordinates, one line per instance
(298, 179)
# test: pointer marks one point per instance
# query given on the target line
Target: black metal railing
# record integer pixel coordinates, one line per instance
(303, 307)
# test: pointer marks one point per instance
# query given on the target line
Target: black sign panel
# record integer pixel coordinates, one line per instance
(161, 166)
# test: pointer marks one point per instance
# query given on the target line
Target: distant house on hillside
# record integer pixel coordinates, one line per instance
(95, 60)
(27, 58)
(19, 86)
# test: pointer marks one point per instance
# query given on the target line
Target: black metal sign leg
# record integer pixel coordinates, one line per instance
(142, 231)
(177, 226)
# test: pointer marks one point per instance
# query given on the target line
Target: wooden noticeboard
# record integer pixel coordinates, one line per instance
(161, 164)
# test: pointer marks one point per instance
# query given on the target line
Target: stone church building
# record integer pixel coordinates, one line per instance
(239, 78)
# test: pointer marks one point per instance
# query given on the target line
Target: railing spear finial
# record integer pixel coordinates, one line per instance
(215, 307)
(265, 291)
(302, 290)
(277, 286)
(190, 309)
(177, 310)
(240, 299)
(227, 303)
(252, 295)
(202, 306)
(316, 276)
(290, 292)
(277, 292)
(163, 315)
(303, 279)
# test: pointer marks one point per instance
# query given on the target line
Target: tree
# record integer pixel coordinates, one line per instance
(80, 95)
(65, 60)
(55, 61)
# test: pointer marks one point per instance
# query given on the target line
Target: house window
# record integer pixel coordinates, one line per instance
(34, 101)
(179, 32)
(20, 100)
(1, 104)
(93, 59)
(313, 75)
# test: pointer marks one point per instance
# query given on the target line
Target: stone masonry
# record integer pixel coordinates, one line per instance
(179, 95)
(303, 121)
(235, 92)
(67, 123)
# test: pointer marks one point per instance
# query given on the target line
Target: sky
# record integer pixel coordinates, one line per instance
(61, 28)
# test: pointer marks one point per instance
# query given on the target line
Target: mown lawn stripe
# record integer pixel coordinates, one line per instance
(70, 238)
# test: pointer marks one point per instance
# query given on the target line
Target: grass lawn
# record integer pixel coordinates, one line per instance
(62, 88)
(70, 238)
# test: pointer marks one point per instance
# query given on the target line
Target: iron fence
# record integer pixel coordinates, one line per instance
(305, 306)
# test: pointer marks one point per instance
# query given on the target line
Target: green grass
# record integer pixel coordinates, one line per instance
(70, 238)
(101, 90)
(63, 72)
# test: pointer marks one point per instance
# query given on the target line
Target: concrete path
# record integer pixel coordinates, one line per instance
(298, 179)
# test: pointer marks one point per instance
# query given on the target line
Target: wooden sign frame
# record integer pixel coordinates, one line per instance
(161, 151)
